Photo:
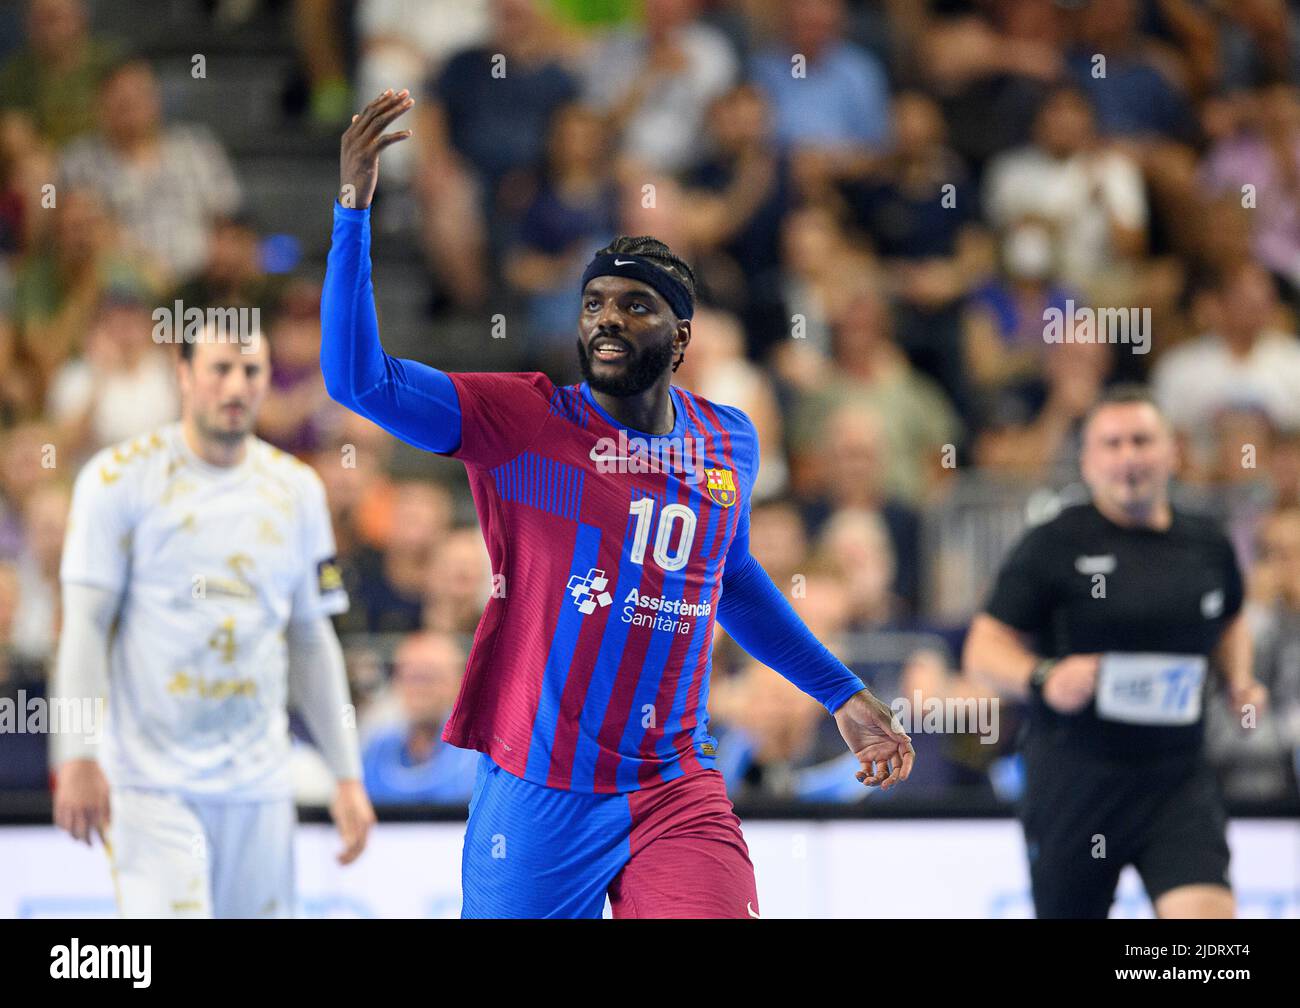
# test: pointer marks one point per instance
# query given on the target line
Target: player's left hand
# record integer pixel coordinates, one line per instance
(876, 738)
(1252, 694)
(353, 816)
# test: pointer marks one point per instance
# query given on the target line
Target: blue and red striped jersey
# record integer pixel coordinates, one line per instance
(590, 667)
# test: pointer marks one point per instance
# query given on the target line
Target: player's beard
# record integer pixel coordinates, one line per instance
(644, 368)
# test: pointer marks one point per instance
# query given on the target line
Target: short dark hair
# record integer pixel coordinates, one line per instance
(186, 347)
(658, 253)
(1123, 394)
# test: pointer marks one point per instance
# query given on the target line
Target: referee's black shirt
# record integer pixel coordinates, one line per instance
(1169, 592)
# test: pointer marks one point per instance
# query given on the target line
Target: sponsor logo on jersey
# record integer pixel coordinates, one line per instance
(670, 615)
(1212, 604)
(589, 592)
(1104, 564)
(681, 457)
(329, 576)
(662, 613)
(721, 487)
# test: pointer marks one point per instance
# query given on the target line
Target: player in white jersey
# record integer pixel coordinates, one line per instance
(198, 581)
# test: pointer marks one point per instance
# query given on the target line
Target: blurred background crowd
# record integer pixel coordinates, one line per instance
(881, 200)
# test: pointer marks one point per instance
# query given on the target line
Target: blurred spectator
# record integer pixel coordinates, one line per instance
(53, 78)
(869, 368)
(856, 544)
(26, 170)
(656, 83)
(298, 415)
(408, 761)
(1003, 323)
(853, 471)
(123, 386)
(59, 285)
(36, 616)
(358, 488)
(1091, 197)
(777, 742)
(821, 598)
(573, 213)
(778, 540)
(1040, 444)
(1257, 752)
(19, 382)
(738, 196)
(922, 217)
(16, 671)
(1142, 88)
(459, 583)
(167, 185)
(820, 271)
(990, 65)
(233, 275)
(483, 129)
(1265, 155)
(23, 763)
(29, 457)
(830, 98)
(1248, 360)
(716, 368)
(390, 582)
(1285, 469)
(1257, 41)
(404, 42)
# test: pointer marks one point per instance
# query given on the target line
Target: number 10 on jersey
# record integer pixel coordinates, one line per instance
(644, 512)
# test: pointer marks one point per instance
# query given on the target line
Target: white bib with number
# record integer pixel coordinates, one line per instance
(1154, 689)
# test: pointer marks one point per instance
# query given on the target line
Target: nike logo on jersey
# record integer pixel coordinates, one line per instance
(597, 457)
(624, 262)
(682, 457)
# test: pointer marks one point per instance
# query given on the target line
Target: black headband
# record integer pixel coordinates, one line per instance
(639, 268)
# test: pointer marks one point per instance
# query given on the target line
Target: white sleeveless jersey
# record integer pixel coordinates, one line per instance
(211, 564)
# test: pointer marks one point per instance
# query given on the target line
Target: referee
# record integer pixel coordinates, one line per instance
(1109, 617)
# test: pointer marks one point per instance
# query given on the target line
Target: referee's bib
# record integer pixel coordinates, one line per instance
(1152, 689)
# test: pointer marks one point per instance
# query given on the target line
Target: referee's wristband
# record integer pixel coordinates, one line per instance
(1040, 673)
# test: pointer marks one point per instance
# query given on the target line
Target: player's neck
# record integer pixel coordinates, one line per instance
(650, 412)
(212, 451)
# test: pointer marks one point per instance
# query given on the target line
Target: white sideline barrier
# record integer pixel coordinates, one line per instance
(892, 868)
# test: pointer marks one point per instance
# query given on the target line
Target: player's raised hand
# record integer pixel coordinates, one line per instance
(874, 735)
(81, 803)
(353, 816)
(361, 144)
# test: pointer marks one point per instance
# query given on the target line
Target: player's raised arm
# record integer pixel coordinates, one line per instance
(410, 400)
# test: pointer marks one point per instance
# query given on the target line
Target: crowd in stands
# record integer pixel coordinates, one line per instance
(883, 201)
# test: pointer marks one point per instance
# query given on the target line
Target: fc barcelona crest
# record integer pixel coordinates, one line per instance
(721, 487)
